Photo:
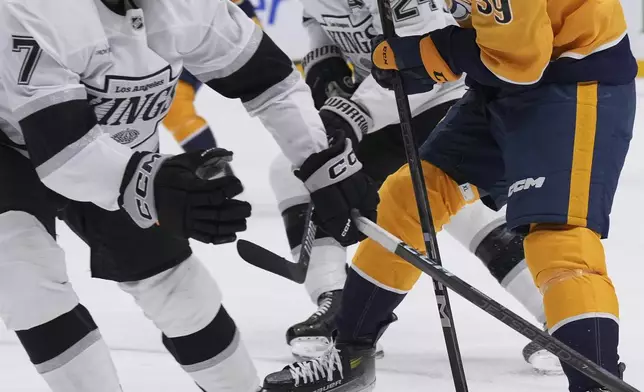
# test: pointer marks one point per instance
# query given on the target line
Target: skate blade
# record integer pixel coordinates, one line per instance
(545, 363)
(310, 347)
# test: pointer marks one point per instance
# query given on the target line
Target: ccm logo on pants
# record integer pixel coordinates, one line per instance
(525, 184)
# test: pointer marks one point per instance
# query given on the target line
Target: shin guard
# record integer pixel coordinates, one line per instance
(568, 264)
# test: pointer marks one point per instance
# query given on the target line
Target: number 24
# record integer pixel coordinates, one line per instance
(402, 12)
(31, 46)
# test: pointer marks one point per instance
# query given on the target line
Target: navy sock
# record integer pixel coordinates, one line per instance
(365, 307)
(596, 339)
(202, 141)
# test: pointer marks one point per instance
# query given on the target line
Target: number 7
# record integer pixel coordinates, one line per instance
(34, 51)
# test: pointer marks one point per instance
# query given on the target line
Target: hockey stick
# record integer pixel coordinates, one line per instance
(432, 268)
(265, 259)
(255, 254)
(422, 202)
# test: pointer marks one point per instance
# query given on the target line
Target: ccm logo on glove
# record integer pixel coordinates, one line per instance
(142, 185)
(342, 165)
(185, 194)
(337, 187)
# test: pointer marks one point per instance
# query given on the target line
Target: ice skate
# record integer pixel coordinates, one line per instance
(312, 338)
(342, 368)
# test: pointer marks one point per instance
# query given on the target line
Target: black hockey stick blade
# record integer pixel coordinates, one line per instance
(490, 306)
(265, 259)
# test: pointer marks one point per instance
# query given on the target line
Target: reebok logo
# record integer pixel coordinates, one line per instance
(525, 184)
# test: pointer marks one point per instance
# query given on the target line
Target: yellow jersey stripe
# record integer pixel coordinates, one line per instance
(582, 159)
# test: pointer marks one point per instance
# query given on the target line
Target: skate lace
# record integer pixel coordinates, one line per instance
(316, 369)
(324, 306)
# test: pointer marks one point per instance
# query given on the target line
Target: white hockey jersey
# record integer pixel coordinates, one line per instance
(86, 85)
(351, 24)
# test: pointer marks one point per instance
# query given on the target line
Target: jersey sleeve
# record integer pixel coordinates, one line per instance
(226, 50)
(511, 43)
(380, 103)
(43, 53)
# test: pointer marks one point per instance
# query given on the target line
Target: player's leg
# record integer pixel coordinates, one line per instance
(378, 280)
(485, 233)
(564, 164)
(184, 302)
(381, 153)
(174, 290)
(327, 266)
(37, 300)
(189, 129)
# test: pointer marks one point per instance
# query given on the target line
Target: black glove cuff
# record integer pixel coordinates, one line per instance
(329, 77)
(321, 54)
(342, 113)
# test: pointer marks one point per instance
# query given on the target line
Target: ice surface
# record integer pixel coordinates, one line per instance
(264, 305)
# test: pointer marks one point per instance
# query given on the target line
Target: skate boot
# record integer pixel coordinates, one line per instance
(344, 367)
(312, 337)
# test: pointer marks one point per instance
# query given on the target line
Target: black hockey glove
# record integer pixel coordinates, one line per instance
(186, 194)
(327, 74)
(337, 186)
(341, 114)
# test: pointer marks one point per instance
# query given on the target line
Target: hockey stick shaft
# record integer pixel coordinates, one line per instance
(430, 266)
(422, 201)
